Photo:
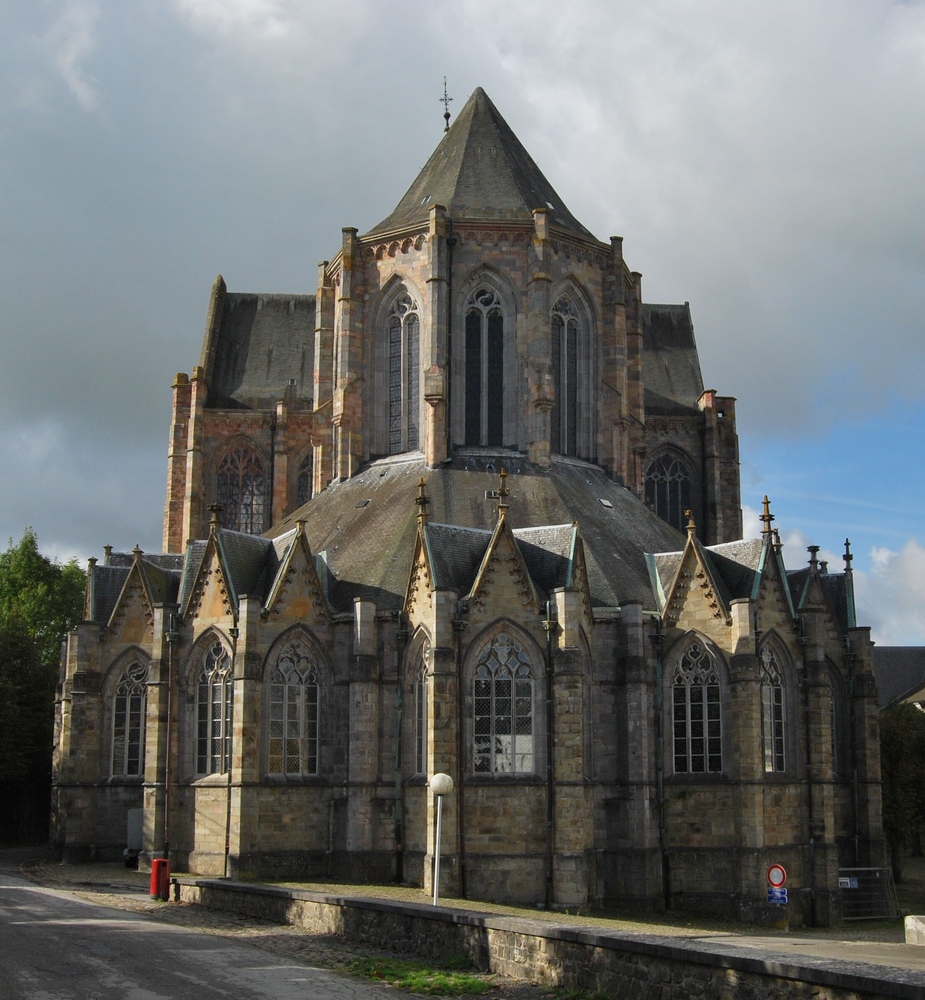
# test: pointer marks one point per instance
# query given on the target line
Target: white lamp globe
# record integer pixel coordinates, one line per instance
(441, 784)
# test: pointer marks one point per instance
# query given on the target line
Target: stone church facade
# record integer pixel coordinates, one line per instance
(469, 508)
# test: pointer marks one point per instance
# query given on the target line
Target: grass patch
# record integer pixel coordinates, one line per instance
(415, 977)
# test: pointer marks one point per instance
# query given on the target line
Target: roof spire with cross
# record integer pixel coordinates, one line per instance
(445, 101)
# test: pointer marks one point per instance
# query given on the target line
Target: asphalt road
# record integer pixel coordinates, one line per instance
(54, 946)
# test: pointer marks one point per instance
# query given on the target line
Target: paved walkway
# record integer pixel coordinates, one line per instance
(878, 943)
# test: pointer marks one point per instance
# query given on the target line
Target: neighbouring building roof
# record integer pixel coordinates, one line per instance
(900, 673)
(480, 171)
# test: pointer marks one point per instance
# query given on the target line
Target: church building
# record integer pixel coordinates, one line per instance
(469, 508)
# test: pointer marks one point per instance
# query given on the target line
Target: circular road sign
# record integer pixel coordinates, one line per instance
(777, 876)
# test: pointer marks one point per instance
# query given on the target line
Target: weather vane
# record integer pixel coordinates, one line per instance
(445, 101)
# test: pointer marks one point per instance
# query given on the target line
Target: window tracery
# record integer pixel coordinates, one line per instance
(697, 714)
(404, 327)
(484, 368)
(503, 709)
(242, 491)
(294, 712)
(772, 712)
(128, 725)
(304, 480)
(214, 704)
(563, 430)
(668, 489)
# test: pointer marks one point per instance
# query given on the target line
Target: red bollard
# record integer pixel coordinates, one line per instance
(160, 879)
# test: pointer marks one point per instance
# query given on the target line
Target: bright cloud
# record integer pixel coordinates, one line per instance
(71, 41)
(891, 597)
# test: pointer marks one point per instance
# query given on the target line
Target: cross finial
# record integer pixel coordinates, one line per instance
(421, 501)
(848, 556)
(691, 524)
(503, 493)
(767, 517)
(215, 511)
(445, 101)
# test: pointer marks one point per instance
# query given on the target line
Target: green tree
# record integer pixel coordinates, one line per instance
(902, 766)
(39, 601)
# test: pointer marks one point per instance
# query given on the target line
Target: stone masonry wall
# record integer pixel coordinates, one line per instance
(574, 958)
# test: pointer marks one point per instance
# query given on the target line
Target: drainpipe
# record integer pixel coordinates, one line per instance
(656, 639)
(809, 779)
(851, 657)
(459, 626)
(401, 638)
(233, 632)
(171, 636)
(450, 244)
(550, 626)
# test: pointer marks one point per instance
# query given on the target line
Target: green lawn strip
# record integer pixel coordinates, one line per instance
(415, 977)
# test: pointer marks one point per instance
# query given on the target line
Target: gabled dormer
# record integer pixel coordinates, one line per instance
(296, 593)
(132, 618)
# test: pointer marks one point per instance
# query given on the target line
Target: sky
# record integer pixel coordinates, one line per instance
(764, 161)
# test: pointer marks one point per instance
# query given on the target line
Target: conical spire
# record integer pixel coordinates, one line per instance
(480, 171)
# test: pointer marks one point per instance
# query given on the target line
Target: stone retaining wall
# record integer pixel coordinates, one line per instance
(630, 966)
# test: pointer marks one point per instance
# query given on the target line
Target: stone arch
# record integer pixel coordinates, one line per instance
(486, 379)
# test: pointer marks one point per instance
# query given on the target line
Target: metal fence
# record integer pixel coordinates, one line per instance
(868, 894)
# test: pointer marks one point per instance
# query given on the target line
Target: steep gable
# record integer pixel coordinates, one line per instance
(296, 593)
(697, 598)
(503, 586)
(132, 619)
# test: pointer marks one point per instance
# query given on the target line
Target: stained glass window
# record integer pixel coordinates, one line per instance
(503, 702)
(242, 491)
(404, 376)
(294, 712)
(697, 714)
(484, 367)
(564, 414)
(128, 727)
(214, 699)
(668, 489)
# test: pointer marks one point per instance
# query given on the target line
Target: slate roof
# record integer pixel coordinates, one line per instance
(900, 673)
(262, 344)
(106, 581)
(368, 549)
(670, 364)
(480, 171)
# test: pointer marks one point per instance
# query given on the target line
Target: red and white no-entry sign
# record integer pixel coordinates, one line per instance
(777, 876)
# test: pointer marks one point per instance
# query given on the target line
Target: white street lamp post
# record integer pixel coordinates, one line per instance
(440, 784)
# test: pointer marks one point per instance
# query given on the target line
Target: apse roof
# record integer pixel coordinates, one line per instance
(480, 171)
(367, 547)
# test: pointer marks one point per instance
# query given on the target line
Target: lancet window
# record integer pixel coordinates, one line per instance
(128, 723)
(772, 712)
(404, 327)
(503, 703)
(668, 489)
(484, 367)
(214, 701)
(696, 713)
(242, 491)
(294, 712)
(564, 414)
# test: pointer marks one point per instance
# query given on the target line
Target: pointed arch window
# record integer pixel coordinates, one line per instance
(404, 327)
(484, 366)
(304, 480)
(214, 702)
(563, 429)
(242, 490)
(128, 723)
(420, 721)
(294, 711)
(668, 489)
(503, 705)
(696, 714)
(772, 712)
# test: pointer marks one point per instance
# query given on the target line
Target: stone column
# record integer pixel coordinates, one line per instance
(194, 521)
(349, 363)
(541, 366)
(176, 464)
(323, 388)
(434, 338)
(443, 755)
